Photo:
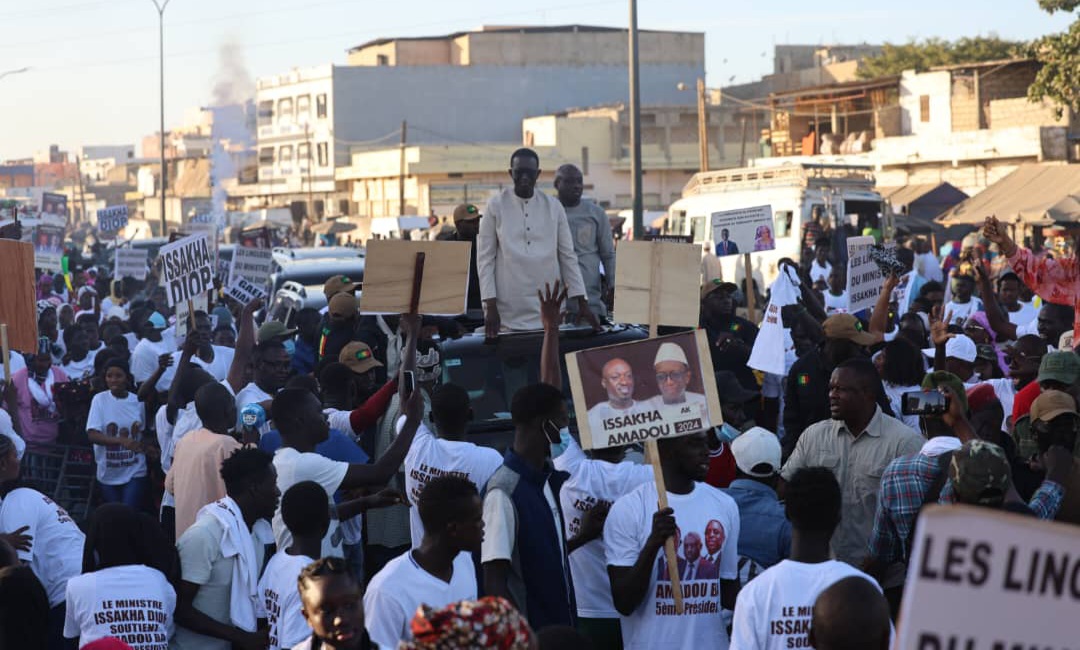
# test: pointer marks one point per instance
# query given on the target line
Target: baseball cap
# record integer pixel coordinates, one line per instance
(1063, 367)
(986, 351)
(1050, 404)
(343, 304)
(466, 212)
(942, 378)
(358, 357)
(273, 329)
(846, 326)
(979, 396)
(959, 347)
(339, 284)
(713, 285)
(731, 391)
(157, 321)
(757, 446)
(671, 352)
(980, 473)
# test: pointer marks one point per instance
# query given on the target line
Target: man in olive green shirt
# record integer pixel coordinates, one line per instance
(856, 444)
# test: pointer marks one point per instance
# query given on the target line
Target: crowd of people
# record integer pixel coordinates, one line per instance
(312, 484)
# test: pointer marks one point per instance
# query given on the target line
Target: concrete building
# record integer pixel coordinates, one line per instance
(465, 88)
(968, 125)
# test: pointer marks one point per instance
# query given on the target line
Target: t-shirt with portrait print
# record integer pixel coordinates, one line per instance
(117, 465)
(706, 517)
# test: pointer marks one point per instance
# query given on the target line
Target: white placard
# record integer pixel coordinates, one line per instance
(111, 220)
(130, 263)
(863, 275)
(251, 264)
(243, 291)
(187, 268)
(200, 302)
(747, 230)
(980, 578)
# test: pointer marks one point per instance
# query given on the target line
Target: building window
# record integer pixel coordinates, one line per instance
(924, 108)
(320, 106)
(343, 207)
(285, 155)
(321, 152)
(285, 111)
(782, 222)
(266, 156)
(382, 59)
(303, 154)
(303, 108)
(266, 113)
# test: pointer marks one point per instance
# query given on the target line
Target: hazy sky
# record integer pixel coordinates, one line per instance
(94, 63)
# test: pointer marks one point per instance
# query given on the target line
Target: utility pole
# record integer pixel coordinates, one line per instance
(82, 192)
(401, 170)
(635, 127)
(160, 6)
(703, 126)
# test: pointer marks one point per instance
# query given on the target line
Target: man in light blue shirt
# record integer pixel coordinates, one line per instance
(765, 533)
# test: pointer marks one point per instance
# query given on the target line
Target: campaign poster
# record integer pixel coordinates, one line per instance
(187, 268)
(54, 206)
(251, 264)
(983, 578)
(863, 275)
(747, 230)
(645, 390)
(112, 219)
(130, 263)
(48, 247)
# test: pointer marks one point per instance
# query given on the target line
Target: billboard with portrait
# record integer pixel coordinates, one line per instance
(645, 390)
(54, 206)
(748, 230)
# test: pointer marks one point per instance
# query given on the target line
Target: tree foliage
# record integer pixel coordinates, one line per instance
(923, 55)
(1058, 79)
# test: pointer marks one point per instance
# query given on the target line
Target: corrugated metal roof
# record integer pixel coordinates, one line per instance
(907, 194)
(1040, 194)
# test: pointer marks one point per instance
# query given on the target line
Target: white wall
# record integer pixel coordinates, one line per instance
(935, 85)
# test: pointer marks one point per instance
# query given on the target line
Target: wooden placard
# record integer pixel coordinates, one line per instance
(679, 283)
(390, 270)
(18, 299)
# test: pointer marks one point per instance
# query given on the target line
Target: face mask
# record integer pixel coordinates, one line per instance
(557, 448)
(727, 433)
(290, 347)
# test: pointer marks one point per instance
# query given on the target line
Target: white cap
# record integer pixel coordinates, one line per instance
(6, 429)
(757, 446)
(116, 311)
(959, 347)
(671, 352)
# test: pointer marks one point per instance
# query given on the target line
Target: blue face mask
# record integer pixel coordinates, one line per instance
(290, 347)
(727, 433)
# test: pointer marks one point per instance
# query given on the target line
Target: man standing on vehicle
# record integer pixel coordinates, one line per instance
(525, 241)
(593, 241)
(466, 227)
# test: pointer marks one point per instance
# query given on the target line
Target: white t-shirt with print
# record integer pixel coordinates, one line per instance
(836, 304)
(55, 554)
(430, 457)
(654, 623)
(395, 592)
(819, 272)
(591, 483)
(774, 609)
(144, 358)
(281, 599)
(76, 370)
(116, 465)
(292, 468)
(961, 311)
(133, 603)
(1027, 313)
(218, 368)
(1005, 391)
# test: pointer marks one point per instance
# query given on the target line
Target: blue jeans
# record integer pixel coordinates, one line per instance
(130, 493)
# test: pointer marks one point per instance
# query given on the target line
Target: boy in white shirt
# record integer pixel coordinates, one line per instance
(634, 537)
(436, 573)
(773, 611)
(305, 513)
(333, 607)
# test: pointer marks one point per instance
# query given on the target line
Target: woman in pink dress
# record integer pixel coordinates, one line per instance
(31, 401)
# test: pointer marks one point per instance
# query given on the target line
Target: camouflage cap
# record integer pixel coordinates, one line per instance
(980, 473)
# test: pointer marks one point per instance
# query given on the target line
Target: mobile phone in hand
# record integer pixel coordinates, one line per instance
(408, 379)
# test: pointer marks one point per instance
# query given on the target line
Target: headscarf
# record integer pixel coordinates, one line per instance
(980, 318)
(490, 622)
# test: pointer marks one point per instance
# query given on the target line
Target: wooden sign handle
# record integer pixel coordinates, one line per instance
(652, 451)
(7, 351)
(191, 316)
(418, 280)
(750, 297)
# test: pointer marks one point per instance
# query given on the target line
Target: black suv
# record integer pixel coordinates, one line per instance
(493, 373)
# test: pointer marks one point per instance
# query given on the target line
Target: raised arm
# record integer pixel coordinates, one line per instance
(245, 345)
(879, 317)
(995, 315)
(551, 301)
(382, 470)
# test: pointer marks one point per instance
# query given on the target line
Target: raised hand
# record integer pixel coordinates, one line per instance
(551, 302)
(939, 329)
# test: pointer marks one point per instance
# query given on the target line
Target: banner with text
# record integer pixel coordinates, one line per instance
(243, 291)
(48, 247)
(130, 263)
(251, 264)
(970, 563)
(644, 390)
(863, 275)
(111, 220)
(748, 230)
(54, 206)
(187, 268)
